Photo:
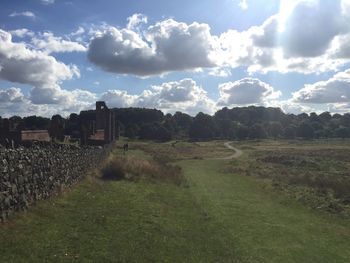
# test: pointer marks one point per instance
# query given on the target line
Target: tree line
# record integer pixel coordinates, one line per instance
(237, 123)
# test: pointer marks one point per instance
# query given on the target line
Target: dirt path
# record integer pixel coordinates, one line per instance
(237, 152)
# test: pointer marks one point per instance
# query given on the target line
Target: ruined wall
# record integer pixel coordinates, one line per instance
(36, 135)
(31, 174)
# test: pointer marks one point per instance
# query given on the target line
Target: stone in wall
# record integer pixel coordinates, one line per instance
(31, 174)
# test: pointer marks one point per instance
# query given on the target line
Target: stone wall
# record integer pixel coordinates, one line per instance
(31, 174)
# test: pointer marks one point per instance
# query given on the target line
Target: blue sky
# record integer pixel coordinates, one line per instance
(59, 56)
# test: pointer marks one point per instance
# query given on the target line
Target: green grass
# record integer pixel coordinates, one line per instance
(265, 226)
(219, 215)
(315, 172)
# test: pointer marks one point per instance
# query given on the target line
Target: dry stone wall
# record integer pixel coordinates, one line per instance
(31, 174)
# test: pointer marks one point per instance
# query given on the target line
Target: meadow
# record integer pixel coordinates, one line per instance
(280, 201)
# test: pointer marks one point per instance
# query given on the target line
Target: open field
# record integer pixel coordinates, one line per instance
(314, 172)
(279, 202)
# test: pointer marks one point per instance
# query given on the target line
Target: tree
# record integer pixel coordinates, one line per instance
(202, 127)
(16, 123)
(56, 129)
(226, 128)
(131, 131)
(341, 132)
(325, 117)
(162, 134)
(183, 121)
(345, 120)
(257, 131)
(275, 129)
(242, 132)
(36, 123)
(290, 132)
(305, 131)
(148, 131)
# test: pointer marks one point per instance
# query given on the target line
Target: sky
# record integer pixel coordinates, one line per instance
(60, 56)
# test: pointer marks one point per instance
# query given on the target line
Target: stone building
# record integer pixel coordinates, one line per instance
(103, 129)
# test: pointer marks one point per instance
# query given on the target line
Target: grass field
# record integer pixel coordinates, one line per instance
(258, 208)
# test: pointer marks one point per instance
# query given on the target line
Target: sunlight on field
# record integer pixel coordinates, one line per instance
(249, 209)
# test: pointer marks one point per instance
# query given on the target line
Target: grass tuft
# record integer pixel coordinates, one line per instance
(134, 169)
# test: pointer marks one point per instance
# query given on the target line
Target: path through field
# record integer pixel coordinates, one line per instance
(237, 153)
(228, 145)
(217, 216)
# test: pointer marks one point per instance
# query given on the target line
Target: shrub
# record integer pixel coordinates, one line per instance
(135, 169)
(113, 170)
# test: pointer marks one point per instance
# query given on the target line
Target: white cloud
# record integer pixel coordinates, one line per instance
(135, 20)
(19, 63)
(11, 95)
(334, 90)
(340, 48)
(49, 43)
(119, 98)
(243, 4)
(266, 34)
(24, 13)
(220, 72)
(14, 102)
(246, 91)
(22, 32)
(23, 65)
(306, 36)
(47, 2)
(184, 95)
(311, 27)
(127, 52)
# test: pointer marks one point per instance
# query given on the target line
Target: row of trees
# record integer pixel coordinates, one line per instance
(242, 123)
(236, 123)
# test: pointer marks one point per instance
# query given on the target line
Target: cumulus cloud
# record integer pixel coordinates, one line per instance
(184, 95)
(246, 91)
(334, 90)
(14, 102)
(135, 20)
(119, 98)
(306, 36)
(23, 65)
(22, 32)
(11, 95)
(341, 47)
(266, 34)
(78, 32)
(283, 43)
(220, 72)
(24, 13)
(20, 63)
(49, 43)
(128, 52)
(311, 27)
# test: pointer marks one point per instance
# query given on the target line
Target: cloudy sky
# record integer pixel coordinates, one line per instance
(60, 56)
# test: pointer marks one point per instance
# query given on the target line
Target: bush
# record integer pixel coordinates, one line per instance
(135, 169)
(113, 170)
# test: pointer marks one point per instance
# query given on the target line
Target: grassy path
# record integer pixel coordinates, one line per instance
(263, 226)
(219, 217)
